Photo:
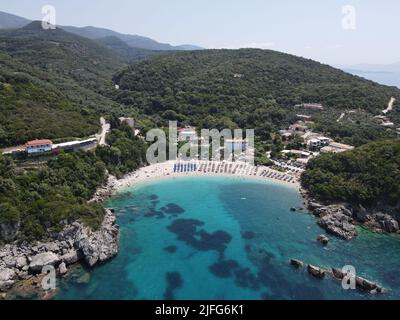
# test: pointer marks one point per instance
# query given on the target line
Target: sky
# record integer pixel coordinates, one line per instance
(336, 32)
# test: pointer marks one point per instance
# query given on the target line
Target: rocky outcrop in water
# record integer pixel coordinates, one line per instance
(323, 239)
(296, 263)
(340, 219)
(75, 243)
(338, 275)
(316, 272)
(337, 220)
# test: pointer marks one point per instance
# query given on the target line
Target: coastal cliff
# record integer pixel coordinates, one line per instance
(340, 219)
(360, 186)
(75, 243)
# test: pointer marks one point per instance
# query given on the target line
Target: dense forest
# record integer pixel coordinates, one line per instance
(53, 84)
(39, 201)
(246, 88)
(367, 175)
(68, 81)
(32, 108)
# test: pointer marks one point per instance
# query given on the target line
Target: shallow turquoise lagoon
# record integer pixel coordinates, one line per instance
(224, 238)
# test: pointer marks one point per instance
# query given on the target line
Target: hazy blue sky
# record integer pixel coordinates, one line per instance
(310, 28)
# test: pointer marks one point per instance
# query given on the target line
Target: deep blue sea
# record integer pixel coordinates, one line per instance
(223, 238)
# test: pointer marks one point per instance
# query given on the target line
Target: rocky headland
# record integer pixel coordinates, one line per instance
(341, 219)
(21, 264)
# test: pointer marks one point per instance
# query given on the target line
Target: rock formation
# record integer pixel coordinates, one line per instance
(75, 243)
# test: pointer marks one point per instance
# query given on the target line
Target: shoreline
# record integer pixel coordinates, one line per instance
(165, 170)
(24, 277)
(342, 219)
(22, 266)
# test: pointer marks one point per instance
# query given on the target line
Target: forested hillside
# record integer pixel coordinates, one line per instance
(53, 84)
(33, 108)
(130, 54)
(36, 202)
(368, 175)
(246, 88)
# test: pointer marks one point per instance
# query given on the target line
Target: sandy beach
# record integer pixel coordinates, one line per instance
(175, 169)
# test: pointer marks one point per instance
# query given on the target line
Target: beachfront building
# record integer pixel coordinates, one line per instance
(335, 147)
(38, 146)
(187, 134)
(318, 143)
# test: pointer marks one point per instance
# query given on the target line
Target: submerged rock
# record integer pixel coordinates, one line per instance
(84, 278)
(323, 239)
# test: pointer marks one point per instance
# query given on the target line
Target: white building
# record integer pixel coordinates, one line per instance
(318, 143)
(38, 146)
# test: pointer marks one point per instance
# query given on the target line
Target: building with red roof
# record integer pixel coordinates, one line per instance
(38, 146)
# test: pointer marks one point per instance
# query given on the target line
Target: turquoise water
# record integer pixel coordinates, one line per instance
(222, 238)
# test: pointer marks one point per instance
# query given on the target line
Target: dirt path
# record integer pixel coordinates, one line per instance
(12, 149)
(105, 128)
(390, 106)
